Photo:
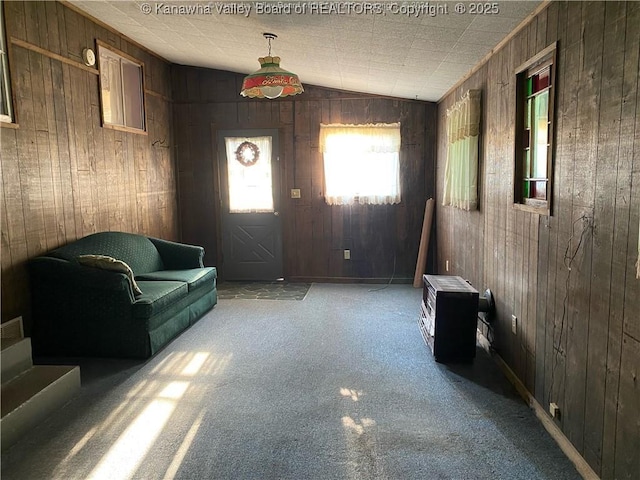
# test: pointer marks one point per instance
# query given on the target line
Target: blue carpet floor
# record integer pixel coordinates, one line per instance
(337, 386)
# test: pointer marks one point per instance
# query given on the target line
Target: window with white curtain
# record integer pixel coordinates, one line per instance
(361, 163)
(461, 169)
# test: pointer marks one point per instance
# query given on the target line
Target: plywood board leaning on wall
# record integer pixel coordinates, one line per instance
(424, 244)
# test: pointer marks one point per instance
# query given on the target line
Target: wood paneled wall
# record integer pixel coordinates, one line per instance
(381, 238)
(64, 176)
(569, 278)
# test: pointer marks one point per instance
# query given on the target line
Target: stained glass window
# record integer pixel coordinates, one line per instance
(534, 124)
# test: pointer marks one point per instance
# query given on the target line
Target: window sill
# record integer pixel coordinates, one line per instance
(357, 202)
(122, 128)
(538, 209)
(7, 124)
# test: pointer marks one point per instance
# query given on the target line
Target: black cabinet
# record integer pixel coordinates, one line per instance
(448, 317)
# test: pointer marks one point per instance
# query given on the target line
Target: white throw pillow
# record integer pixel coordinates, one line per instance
(106, 262)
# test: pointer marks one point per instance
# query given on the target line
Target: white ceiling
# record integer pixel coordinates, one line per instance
(392, 54)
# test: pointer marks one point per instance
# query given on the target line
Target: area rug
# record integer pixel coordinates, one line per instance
(263, 290)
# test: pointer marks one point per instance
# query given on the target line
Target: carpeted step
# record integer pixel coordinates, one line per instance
(15, 357)
(31, 396)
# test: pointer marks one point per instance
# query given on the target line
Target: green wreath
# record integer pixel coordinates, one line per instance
(247, 154)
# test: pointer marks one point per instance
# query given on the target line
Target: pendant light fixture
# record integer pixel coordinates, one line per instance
(271, 81)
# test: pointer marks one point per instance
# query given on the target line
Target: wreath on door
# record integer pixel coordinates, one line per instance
(247, 154)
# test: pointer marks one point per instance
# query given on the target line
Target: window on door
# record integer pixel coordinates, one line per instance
(249, 174)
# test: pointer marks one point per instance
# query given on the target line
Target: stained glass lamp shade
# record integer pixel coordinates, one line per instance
(271, 81)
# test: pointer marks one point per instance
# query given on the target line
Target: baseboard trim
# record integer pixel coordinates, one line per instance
(563, 442)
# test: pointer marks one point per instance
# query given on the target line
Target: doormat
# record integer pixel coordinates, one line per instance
(262, 290)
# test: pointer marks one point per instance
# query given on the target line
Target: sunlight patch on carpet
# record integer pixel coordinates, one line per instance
(353, 394)
(128, 452)
(172, 471)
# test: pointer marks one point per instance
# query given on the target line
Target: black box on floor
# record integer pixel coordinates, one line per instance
(448, 317)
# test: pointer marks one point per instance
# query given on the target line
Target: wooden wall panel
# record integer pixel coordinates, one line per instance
(570, 277)
(64, 176)
(601, 259)
(314, 233)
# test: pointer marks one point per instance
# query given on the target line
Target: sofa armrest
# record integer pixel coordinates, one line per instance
(78, 277)
(179, 256)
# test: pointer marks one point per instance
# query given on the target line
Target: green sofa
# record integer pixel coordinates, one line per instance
(80, 310)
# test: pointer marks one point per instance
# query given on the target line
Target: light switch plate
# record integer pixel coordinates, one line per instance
(295, 193)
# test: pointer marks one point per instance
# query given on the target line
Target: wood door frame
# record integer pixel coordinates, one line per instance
(220, 187)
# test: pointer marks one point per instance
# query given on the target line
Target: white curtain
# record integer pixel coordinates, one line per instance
(361, 163)
(461, 170)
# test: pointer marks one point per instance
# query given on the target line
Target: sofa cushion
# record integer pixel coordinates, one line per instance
(194, 277)
(136, 250)
(105, 262)
(157, 296)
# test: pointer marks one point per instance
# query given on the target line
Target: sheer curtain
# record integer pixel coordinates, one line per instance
(461, 170)
(361, 163)
(250, 187)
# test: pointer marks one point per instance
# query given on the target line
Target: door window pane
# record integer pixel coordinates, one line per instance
(249, 174)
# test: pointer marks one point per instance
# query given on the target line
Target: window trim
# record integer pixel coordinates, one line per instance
(11, 119)
(116, 126)
(546, 57)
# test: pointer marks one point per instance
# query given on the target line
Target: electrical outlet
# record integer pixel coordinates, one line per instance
(295, 193)
(347, 254)
(446, 265)
(554, 410)
(514, 324)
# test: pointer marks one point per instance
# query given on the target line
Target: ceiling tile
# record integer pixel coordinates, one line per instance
(391, 54)
(517, 9)
(480, 37)
(490, 23)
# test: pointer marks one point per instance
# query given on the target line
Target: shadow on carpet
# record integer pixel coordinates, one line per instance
(263, 290)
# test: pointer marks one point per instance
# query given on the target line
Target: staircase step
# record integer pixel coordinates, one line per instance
(15, 357)
(32, 396)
